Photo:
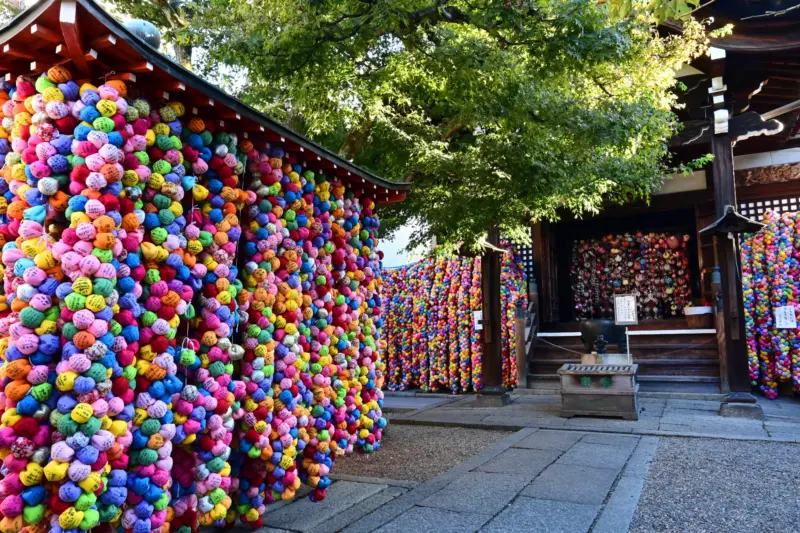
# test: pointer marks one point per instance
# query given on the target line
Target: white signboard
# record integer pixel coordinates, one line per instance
(785, 317)
(625, 310)
(477, 317)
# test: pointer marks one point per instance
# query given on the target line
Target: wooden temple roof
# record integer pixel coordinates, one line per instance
(761, 72)
(81, 35)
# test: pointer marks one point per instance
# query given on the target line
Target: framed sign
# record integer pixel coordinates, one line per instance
(625, 310)
(477, 316)
(785, 317)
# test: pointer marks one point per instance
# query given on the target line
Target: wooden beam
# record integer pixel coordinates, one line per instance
(175, 86)
(227, 114)
(788, 108)
(15, 51)
(43, 32)
(106, 41)
(38, 66)
(32, 55)
(129, 77)
(140, 67)
(68, 18)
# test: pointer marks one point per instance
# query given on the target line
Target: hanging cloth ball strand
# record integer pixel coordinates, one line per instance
(33, 173)
(93, 421)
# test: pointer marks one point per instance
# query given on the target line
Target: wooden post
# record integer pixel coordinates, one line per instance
(735, 354)
(726, 130)
(493, 392)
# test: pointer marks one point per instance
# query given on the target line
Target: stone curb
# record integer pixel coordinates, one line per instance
(401, 504)
(375, 480)
(498, 426)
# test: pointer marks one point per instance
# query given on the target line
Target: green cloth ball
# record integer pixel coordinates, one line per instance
(69, 330)
(85, 501)
(217, 368)
(105, 256)
(215, 465)
(166, 217)
(75, 301)
(97, 372)
(147, 457)
(31, 318)
(159, 235)
(161, 166)
(33, 515)
(143, 157)
(151, 426)
(102, 286)
(103, 124)
(163, 142)
(67, 426)
(91, 426)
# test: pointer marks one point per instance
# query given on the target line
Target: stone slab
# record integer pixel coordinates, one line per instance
(303, 515)
(551, 440)
(520, 461)
(344, 519)
(428, 519)
(619, 511)
(531, 515)
(478, 490)
(572, 483)
(611, 439)
(751, 411)
(595, 455)
(411, 402)
(375, 480)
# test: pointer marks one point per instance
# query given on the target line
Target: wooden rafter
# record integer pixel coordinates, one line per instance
(46, 33)
(68, 18)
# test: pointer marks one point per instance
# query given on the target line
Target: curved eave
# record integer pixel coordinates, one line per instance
(753, 43)
(105, 42)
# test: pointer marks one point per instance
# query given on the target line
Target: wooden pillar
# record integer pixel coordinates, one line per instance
(492, 346)
(734, 356)
(493, 393)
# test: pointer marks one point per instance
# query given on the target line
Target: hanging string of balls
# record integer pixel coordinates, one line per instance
(126, 402)
(33, 174)
(433, 343)
(654, 265)
(90, 458)
(770, 280)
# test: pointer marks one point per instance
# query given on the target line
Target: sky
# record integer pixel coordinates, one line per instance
(394, 253)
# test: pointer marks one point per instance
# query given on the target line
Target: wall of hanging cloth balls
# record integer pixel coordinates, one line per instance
(771, 279)
(655, 266)
(151, 379)
(432, 343)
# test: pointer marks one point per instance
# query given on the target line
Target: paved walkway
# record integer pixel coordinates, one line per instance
(658, 417)
(533, 481)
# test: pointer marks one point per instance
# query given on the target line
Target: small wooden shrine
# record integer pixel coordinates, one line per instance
(745, 94)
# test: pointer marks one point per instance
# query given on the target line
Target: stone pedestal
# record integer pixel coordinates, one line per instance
(741, 405)
(599, 390)
(492, 397)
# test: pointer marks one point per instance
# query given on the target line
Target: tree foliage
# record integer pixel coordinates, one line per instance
(497, 111)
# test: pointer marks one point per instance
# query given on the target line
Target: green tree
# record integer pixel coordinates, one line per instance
(496, 111)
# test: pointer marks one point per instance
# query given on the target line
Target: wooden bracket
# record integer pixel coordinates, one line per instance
(68, 18)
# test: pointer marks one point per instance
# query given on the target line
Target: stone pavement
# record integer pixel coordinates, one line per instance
(658, 417)
(532, 481)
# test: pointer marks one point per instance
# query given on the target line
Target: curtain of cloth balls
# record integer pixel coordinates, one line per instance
(432, 342)
(175, 350)
(771, 279)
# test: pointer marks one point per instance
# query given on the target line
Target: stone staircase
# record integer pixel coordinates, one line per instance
(673, 355)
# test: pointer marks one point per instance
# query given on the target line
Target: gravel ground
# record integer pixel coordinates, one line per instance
(721, 486)
(418, 453)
